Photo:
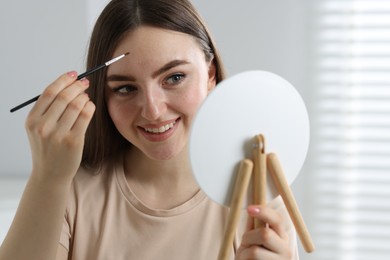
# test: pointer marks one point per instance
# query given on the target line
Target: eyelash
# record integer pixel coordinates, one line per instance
(177, 78)
(177, 81)
(127, 88)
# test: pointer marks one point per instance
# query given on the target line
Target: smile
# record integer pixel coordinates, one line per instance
(161, 129)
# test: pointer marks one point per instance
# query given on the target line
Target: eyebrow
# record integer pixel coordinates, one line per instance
(166, 67)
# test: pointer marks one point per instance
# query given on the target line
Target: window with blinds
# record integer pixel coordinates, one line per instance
(350, 209)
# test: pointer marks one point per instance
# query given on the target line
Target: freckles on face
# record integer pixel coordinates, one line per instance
(161, 83)
(192, 100)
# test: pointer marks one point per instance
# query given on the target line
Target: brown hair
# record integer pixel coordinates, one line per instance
(103, 143)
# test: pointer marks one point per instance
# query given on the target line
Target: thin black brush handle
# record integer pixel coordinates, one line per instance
(28, 102)
(81, 76)
(89, 72)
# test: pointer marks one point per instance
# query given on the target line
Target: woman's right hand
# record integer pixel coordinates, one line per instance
(56, 127)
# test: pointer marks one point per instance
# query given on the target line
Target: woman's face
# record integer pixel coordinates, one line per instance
(153, 93)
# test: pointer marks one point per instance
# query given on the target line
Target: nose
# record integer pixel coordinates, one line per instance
(153, 104)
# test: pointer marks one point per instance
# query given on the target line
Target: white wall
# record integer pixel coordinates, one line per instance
(40, 40)
(262, 34)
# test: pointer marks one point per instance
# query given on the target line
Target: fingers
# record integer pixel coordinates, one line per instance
(266, 238)
(64, 99)
(269, 216)
(63, 109)
(256, 252)
(57, 124)
(50, 93)
(85, 116)
(78, 113)
(269, 242)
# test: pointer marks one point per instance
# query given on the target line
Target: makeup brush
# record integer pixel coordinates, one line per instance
(81, 76)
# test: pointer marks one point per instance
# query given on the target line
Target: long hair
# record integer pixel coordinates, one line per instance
(103, 143)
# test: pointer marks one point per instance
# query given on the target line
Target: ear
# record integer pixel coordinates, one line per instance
(212, 81)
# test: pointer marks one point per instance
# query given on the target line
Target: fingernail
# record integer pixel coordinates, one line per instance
(253, 210)
(72, 74)
(85, 82)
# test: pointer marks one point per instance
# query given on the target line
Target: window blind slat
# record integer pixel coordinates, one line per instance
(350, 157)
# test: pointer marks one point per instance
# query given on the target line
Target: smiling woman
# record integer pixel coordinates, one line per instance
(111, 177)
(149, 97)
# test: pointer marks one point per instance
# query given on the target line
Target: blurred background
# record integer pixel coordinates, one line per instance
(335, 52)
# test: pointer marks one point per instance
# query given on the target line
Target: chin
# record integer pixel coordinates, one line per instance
(165, 155)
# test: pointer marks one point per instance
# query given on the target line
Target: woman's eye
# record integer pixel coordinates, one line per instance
(175, 79)
(123, 90)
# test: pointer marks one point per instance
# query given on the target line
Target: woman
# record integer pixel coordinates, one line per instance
(134, 196)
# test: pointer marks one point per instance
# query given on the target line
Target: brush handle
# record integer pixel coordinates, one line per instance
(239, 193)
(26, 103)
(89, 72)
(81, 76)
(283, 187)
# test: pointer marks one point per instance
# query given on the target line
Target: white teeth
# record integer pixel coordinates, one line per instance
(160, 130)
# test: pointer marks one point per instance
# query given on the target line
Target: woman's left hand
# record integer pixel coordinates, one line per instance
(269, 243)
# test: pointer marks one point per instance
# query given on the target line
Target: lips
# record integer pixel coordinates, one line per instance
(159, 132)
(160, 129)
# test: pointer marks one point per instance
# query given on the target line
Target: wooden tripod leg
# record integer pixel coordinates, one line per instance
(259, 175)
(283, 187)
(239, 192)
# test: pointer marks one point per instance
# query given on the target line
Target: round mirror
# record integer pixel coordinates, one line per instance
(239, 108)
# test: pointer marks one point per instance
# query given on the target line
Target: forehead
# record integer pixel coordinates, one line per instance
(149, 41)
(151, 48)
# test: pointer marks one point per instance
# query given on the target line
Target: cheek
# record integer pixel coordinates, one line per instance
(193, 100)
(118, 114)
(199, 91)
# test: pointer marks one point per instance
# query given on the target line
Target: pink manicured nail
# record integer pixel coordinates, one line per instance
(253, 210)
(85, 82)
(72, 74)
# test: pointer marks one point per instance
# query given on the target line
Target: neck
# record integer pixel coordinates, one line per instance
(160, 184)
